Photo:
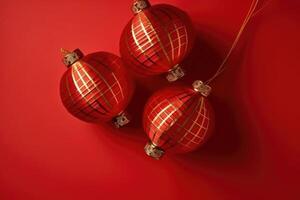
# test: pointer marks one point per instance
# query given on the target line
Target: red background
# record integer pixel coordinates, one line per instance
(45, 153)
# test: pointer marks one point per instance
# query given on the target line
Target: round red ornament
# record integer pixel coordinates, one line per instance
(95, 87)
(178, 119)
(157, 39)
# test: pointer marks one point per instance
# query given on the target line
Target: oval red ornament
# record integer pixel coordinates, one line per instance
(157, 39)
(95, 87)
(178, 119)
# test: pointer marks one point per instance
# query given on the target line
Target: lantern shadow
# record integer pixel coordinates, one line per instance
(202, 62)
(232, 142)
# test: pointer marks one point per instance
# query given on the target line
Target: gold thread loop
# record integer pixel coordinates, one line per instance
(249, 15)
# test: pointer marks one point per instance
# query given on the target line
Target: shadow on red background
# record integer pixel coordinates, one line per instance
(202, 63)
(227, 145)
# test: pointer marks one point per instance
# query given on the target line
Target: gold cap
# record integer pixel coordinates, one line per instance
(139, 5)
(70, 57)
(175, 73)
(121, 120)
(201, 87)
(153, 151)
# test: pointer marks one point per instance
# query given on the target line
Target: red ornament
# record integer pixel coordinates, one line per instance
(157, 39)
(179, 119)
(95, 87)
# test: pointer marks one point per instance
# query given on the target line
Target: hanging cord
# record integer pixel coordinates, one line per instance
(261, 8)
(250, 14)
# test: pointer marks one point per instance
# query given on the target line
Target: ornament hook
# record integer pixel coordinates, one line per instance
(201, 87)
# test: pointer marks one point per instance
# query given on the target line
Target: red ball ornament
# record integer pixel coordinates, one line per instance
(178, 119)
(157, 39)
(95, 87)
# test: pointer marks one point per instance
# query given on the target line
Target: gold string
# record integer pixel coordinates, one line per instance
(250, 14)
(261, 8)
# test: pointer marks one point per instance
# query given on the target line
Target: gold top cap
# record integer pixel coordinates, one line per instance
(139, 5)
(70, 57)
(153, 151)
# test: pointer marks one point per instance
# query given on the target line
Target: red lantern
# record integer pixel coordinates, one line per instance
(177, 119)
(95, 87)
(157, 39)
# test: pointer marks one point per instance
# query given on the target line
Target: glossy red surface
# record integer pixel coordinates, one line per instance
(178, 119)
(47, 154)
(156, 39)
(96, 88)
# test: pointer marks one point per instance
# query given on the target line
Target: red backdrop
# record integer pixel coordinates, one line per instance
(45, 153)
